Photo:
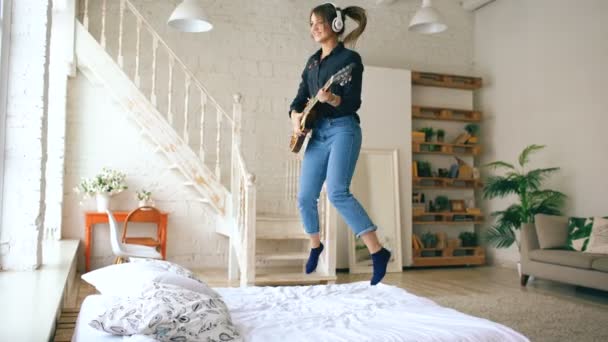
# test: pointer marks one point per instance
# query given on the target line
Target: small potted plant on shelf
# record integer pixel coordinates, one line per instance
(429, 132)
(144, 197)
(468, 239)
(473, 130)
(429, 240)
(103, 186)
(440, 135)
(442, 203)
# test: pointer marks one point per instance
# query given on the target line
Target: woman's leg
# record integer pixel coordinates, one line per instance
(312, 176)
(344, 152)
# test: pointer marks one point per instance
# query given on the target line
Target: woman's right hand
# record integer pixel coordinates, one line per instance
(296, 122)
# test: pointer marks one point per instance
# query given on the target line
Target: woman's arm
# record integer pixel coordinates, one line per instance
(298, 104)
(350, 100)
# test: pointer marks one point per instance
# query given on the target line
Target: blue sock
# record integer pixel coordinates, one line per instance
(380, 260)
(313, 259)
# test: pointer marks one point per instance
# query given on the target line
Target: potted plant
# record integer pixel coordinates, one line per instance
(468, 239)
(531, 198)
(442, 203)
(440, 135)
(429, 132)
(473, 130)
(144, 197)
(104, 185)
(429, 240)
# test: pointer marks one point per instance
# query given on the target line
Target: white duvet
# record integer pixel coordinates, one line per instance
(345, 312)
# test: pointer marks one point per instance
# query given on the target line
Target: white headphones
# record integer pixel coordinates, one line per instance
(337, 24)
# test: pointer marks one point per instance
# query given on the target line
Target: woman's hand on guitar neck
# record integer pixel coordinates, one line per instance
(296, 121)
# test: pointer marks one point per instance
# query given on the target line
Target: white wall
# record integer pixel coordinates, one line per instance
(100, 134)
(544, 64)
(26, 129)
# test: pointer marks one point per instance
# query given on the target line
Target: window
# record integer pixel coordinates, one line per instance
(5, 11)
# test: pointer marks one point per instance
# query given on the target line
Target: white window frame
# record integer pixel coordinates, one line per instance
(5, 26)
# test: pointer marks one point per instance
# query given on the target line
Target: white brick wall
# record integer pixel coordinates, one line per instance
(25, 157)
(257, 48)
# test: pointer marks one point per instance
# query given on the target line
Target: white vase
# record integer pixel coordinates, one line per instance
(103, 201)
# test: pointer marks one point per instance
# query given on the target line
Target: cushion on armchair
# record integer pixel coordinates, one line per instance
(552, 231)
(579, 229)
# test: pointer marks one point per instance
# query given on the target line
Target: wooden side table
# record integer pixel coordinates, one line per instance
(92, 218)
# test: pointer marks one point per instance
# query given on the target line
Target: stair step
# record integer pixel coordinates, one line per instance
(282, 236)
(284, 256)
(292, 278)
(277, 227)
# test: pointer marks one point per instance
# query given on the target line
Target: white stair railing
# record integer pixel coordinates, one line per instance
(242, 211)
(189, 134)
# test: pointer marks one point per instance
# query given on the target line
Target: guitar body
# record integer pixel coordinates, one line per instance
(298, 140)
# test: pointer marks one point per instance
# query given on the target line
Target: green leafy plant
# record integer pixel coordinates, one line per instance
(442, 203)
(108, 181)
(532, 200)
(472, 129)
(469, 239)
(429, 240)
(440, 135)
(429, 132)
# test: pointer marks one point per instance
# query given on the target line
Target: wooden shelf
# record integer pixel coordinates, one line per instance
(445, 114)
(446, 149)
(475, 256)
(446, 218)
(442, 183)
(445, 81)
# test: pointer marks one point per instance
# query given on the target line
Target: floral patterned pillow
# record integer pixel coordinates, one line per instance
(169, 313)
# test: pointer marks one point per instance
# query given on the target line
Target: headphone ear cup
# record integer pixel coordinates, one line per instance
(337, 24)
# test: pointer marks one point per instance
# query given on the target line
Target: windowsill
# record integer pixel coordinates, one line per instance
(30, 300)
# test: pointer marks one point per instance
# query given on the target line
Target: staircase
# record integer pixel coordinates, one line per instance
(216, 171)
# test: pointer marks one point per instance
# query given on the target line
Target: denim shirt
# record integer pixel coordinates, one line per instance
(317, 72)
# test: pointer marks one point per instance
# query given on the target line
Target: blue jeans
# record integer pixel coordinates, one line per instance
(331, 154)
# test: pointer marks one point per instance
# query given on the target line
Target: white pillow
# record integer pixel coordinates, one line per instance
(598, 239)
(169, 313)
(130, 278)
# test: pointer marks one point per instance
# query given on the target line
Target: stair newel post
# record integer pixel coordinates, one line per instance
(170, 90)
(186, 105)
(202, 142)
(154, 50)
(103, 24)
(218, 172)
(85, 18)
(120, 33)
(236, 146)
(137, 49)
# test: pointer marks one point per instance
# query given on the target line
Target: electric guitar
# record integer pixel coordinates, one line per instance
(309, 116)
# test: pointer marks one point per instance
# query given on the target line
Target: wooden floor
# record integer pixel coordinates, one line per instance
(432, 283)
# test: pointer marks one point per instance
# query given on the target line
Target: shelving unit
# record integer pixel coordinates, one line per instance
(446, 108)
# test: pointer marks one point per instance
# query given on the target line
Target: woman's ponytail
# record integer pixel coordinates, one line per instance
(359, 15)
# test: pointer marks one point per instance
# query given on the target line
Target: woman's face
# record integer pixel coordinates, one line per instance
(320, 29)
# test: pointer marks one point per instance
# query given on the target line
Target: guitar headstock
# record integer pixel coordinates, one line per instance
(343, 76)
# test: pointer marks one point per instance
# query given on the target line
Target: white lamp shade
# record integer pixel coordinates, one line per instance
(189, 17)
(427, 20)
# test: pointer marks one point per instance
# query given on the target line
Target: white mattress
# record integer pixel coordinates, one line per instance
(345, 312)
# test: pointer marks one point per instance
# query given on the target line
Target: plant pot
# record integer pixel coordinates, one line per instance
(103, 201)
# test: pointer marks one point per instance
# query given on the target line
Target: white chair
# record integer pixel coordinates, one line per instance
(125, 250)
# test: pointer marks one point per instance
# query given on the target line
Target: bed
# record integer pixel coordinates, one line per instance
(344, 312)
